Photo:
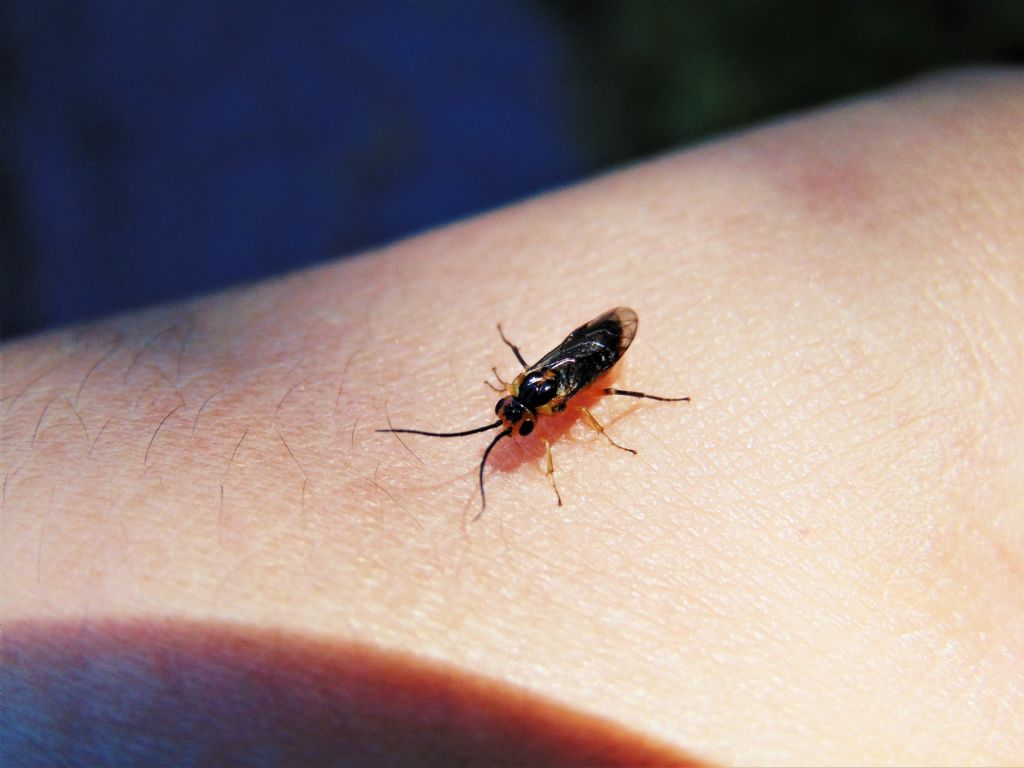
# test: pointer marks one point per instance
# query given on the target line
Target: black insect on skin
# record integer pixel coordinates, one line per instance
(546, 387)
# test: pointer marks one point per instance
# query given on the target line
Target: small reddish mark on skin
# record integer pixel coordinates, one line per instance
(831, 187)
(825, 180)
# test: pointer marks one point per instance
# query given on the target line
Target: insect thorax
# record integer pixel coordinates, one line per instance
(537, 389)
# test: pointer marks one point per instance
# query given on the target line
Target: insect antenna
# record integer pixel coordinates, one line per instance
(443, 434)
(628, 393)
(483, 463)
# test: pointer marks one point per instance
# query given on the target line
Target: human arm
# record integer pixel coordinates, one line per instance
(816, 560)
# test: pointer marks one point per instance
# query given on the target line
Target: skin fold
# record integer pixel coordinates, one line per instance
(816, 561)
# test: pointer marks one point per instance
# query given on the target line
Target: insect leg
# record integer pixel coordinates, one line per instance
(551, 472)
(597, 425)
(513, 347)
(504, 384)
(627, 393)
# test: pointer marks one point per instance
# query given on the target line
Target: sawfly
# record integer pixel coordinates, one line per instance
(546, 387)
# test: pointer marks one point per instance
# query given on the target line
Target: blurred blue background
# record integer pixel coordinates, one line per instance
(157, 149)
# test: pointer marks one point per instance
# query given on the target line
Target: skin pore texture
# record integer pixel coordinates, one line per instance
(207, 550)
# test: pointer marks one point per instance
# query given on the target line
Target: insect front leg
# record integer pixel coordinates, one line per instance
(513, 347)
(504, 384)
(597, 425)
(551, 472)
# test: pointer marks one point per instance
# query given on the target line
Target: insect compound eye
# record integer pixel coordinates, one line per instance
(497, 406)
(511, 410)
(526, 427)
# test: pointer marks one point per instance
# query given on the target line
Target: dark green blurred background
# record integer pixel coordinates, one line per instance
(154, 150)
(657, 74)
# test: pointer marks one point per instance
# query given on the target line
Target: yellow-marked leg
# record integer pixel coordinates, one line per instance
(597, 425)
(504, 384)
(551, 472)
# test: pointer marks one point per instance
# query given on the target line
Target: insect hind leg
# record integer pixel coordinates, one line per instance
(592, 421)
(628, 393)
(551, 472)
(513, 347)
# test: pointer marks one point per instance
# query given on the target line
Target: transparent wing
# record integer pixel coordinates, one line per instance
(590, 350)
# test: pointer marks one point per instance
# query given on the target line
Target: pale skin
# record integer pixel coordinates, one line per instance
(817, 560)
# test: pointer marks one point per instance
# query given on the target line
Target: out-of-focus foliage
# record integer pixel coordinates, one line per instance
(661, 73)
